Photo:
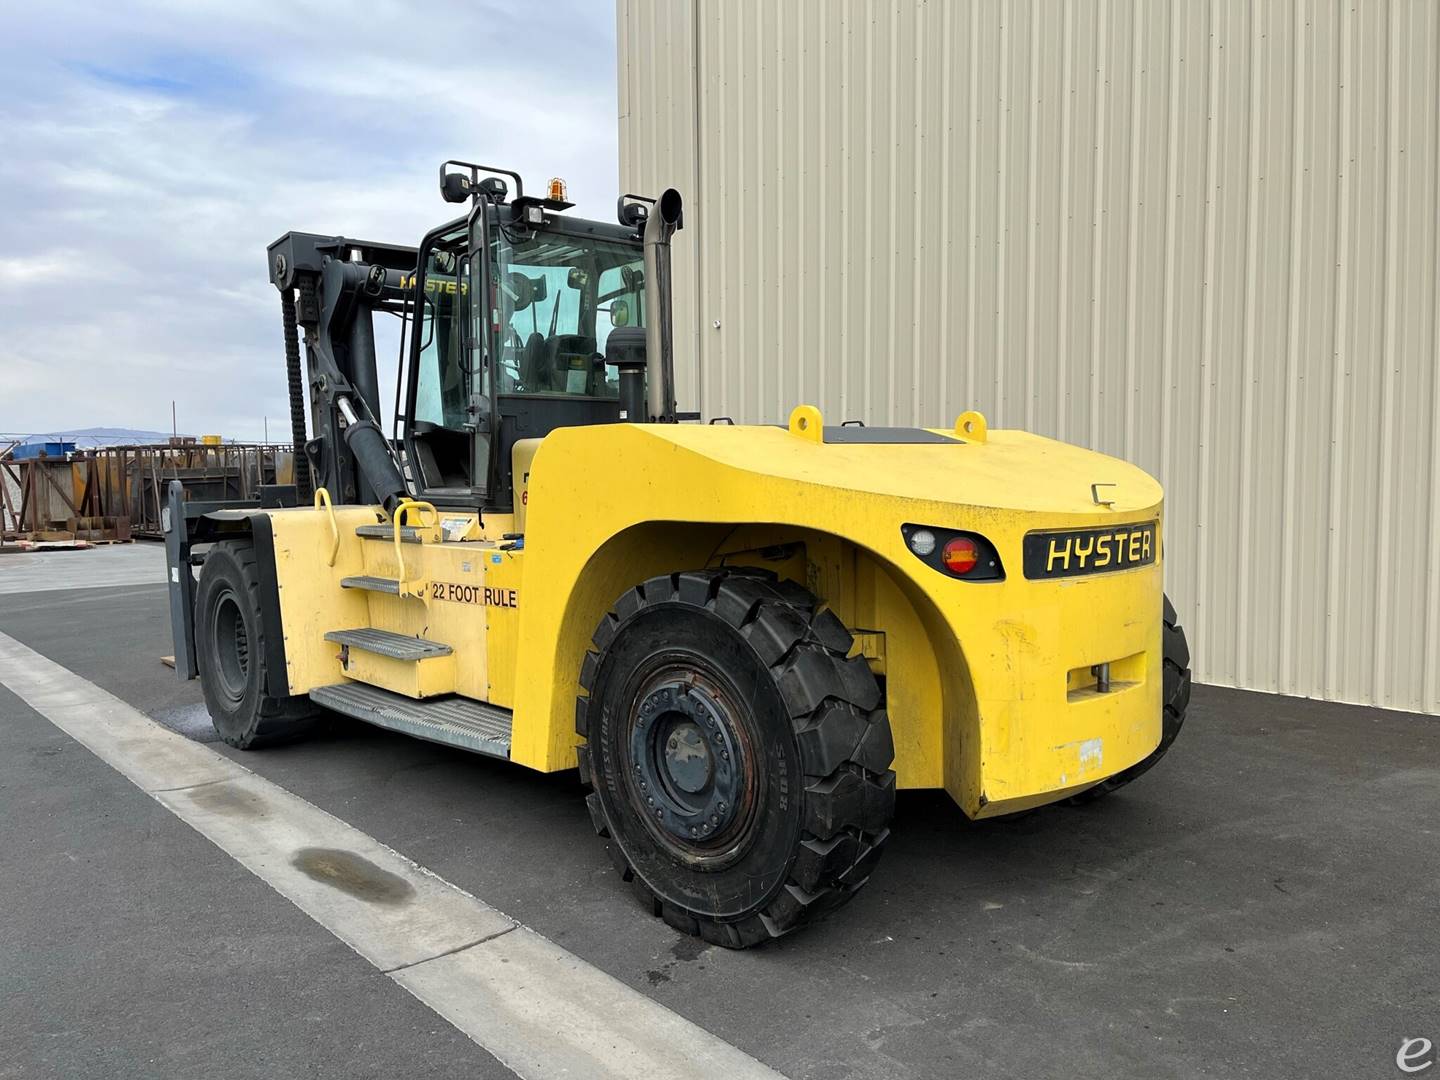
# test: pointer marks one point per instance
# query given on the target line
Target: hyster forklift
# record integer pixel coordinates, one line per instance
(745, 637)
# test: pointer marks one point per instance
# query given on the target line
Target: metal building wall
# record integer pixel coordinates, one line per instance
(1198, 235)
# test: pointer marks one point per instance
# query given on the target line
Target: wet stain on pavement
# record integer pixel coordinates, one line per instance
(685, 950)
(226, 801)
(192, 721)
(688, 948)
(352, 874)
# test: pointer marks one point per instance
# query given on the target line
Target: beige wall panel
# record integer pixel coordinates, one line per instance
(1203, 235)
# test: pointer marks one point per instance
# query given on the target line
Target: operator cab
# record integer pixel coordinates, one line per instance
(512, 310)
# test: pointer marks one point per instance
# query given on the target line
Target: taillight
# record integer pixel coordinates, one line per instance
(960, 555)
(954, 553)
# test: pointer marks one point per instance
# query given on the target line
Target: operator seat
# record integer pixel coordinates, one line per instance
(560, 353)
(534, 373)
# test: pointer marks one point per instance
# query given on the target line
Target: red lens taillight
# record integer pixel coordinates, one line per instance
(960, 555)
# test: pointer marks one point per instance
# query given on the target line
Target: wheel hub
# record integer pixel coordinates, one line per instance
(687, 771)
(231, 643)
(688, 760)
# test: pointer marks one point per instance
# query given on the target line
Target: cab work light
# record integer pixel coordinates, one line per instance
(965, 555)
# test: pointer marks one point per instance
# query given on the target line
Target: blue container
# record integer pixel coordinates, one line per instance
(53, 448)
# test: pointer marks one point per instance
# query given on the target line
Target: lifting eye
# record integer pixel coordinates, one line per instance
(965, 555)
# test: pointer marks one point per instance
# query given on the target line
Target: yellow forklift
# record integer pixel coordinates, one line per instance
(745, 637)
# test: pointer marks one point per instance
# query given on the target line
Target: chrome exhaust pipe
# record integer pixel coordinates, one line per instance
(660, 225)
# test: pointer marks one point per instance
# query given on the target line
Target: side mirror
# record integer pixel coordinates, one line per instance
(619, 313)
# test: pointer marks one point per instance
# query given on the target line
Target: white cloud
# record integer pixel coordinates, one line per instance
(149, 152)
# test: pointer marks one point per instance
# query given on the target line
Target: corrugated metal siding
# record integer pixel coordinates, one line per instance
(1201, 236)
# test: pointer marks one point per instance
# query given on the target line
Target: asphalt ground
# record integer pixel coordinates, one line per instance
(1263, 903)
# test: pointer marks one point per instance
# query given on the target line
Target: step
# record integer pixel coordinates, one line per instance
(453, 721)
(371, 584)
(383, 531)
(386, 643)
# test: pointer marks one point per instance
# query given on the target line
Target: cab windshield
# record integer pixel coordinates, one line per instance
(556, 299)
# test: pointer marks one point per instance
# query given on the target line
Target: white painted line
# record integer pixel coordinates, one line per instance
(523, 989)
(539, 1009)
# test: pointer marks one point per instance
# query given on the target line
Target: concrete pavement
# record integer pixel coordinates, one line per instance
(1262, 903)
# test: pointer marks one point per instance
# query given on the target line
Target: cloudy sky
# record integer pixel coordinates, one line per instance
(149, 151)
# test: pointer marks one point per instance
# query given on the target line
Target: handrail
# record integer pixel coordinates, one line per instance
(323, 496)
(408, 587)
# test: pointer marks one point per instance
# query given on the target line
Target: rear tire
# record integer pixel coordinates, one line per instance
(230, 636)
(1176, 703)
(739, 758)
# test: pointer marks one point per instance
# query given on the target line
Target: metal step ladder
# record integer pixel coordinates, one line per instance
(387, 643)
(404, 663)
(371, 583)
(382, 531)
(451, 721)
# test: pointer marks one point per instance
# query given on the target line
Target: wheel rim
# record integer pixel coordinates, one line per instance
(232, 646)
(687, 760)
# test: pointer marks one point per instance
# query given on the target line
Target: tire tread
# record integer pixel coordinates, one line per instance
(275, 720)
(841, 728)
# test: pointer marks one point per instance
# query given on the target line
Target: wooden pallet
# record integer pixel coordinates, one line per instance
(51, 545)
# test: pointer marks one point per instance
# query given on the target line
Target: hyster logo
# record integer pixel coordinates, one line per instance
(1095, 551)
(1090, 551)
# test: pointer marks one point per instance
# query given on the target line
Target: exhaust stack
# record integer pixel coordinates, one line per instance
(662, 222)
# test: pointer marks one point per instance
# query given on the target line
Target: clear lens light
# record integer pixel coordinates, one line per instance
(922, 542)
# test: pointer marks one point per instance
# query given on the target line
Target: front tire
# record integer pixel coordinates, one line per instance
(739, 758)
(230, 634)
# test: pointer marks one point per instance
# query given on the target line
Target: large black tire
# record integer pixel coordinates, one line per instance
(1176, 693)
(230, 635)
(722, 662)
